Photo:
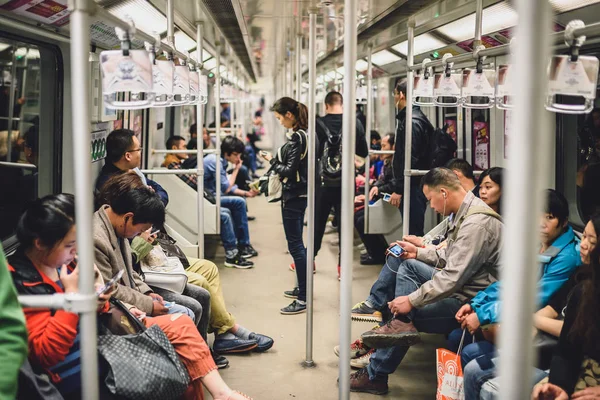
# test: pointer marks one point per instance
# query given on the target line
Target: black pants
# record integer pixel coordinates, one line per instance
(327, 198)
(292, 212)
(418, 205)
(375, 244)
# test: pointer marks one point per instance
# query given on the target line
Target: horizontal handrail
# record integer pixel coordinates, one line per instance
(17, 165)
(421, 172)
(169, 171)
(73, 302)
(205, 151)
(375, 152)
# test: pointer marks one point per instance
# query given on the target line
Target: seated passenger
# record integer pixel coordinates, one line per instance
(41, 265)
(465, 174)
(231, 199)
(230, 337)
(558, 257)
(577, 354)
(129, 213)
(490, 188)
(376, 245)
(480, 379)
(376, 303)
(444, 279)
(123, 153)
(232, 238)
(13, 335)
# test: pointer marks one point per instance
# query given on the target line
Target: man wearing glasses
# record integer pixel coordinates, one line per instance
(124, 153)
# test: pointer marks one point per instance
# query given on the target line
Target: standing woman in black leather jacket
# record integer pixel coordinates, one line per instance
(292, 170)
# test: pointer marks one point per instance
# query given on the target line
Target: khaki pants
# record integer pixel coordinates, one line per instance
(205, 274)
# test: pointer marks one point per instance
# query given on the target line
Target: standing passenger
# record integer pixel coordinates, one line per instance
(329, 193)
(293, 168)
(421, 136)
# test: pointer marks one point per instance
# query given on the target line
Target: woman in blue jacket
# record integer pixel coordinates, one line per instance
(558, 257)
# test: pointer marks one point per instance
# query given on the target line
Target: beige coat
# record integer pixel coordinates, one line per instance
(112, 257)
(467, 264)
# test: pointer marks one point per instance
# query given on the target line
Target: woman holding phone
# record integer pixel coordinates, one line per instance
(45, 264)
(292, 170)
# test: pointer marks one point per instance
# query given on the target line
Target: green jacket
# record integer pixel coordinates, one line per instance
(13, 335)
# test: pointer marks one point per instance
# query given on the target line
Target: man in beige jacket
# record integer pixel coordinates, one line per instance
(433, 283)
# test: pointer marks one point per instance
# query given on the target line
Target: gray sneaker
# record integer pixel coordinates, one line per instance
(362, 312)
(294, 308)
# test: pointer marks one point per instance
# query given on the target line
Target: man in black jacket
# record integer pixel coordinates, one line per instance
(330, 196)
(421, 135)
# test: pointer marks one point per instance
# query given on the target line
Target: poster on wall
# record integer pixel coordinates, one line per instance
(137, 125)
(451, 127)
(50, 12)
(481, 140)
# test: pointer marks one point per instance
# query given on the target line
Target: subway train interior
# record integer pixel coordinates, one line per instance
(476, 129)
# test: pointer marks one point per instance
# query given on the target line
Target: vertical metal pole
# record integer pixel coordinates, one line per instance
(80, 45)
(312, 122)
(347, 212)
(299, 62)
(11, 104)
(529, 151)
(200, 148)
(218, 135)
(369, 112)
(478, 23)
(171, 21)
(408, 127)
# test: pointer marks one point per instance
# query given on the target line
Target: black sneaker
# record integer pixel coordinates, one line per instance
(238, 262)
(248, 251)
(294, 308)
(292, 294)
(219, 360)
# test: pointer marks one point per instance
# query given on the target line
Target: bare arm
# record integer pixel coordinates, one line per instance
(545, 321)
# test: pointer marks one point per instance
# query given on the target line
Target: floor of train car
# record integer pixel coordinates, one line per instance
(255, 296)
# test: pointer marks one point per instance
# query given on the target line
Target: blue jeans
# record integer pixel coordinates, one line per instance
(384, 288)
(228, 234)
(292, 212)
(237, 206)
(471, 349)
(437, 317)
(480, 381)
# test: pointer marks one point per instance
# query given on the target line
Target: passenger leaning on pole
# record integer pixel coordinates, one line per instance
(329, 187)
(432, 284)
(422, 131)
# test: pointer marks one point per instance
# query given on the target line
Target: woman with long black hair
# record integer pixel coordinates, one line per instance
(292, 170)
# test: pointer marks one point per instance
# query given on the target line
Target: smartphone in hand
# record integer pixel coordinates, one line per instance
(395, 251)
(112, 282)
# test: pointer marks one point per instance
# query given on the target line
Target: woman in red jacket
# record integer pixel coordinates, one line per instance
(44, 263)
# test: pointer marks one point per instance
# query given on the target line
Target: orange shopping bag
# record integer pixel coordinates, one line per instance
(450, 374)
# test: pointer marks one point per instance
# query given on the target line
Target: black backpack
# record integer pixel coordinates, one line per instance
(330, 163)
(441, 147)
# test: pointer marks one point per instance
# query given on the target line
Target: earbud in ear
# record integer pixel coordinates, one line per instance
(444, 194)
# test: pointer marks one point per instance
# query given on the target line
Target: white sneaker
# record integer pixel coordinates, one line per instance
(362, 361)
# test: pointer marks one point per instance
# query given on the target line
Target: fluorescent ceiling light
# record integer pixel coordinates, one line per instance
(329, 76)
(4, 46)
(495, 18)
(561, 6)
(205, 55)
(341, 71)
(210, 64)
(384, 57)
(362, 65)
(423, 44)
(184, 42)
(144, 15)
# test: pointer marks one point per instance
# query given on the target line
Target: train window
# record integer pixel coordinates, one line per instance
(27, 130)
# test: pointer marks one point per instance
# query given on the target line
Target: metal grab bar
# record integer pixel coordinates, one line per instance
(220, 129)
(422, 172)
(377, 152)
(17, 165)
(72, 302)
(169, 171)
(159, 151)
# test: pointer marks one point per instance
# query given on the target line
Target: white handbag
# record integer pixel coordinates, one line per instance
(164, 272)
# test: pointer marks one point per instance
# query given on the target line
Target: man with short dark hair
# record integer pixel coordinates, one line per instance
(421, 135)
(124, 153)
(465, 174)
(432, 283)
(231, 199)
(329, 196)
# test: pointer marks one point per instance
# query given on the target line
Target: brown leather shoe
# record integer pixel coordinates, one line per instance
(360, 382)
(394, 333)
